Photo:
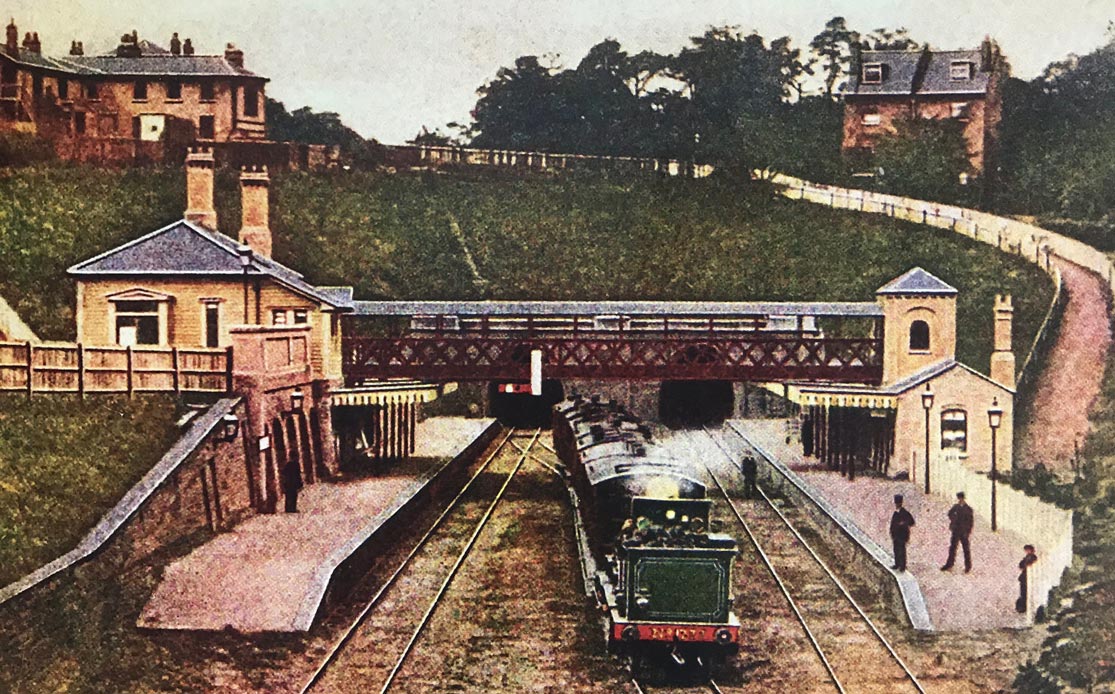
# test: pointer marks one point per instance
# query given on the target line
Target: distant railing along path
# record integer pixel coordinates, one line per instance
(52, 367)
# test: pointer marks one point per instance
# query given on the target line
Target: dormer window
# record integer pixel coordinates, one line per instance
(873, 73)
(960, 70)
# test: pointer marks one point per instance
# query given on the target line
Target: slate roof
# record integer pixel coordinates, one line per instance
(917, 281)
(901, 386)
(906, 73)
(186, 249)
(862, 309)
(154, 64)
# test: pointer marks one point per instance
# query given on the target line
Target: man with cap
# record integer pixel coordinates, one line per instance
(961, 521)
(900, 523)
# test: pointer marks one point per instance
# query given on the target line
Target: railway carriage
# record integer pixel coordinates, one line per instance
(661, 577)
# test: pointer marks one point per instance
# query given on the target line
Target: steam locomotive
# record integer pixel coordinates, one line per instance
(660, 576)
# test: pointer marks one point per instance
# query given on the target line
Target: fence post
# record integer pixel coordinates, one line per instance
(131, 391)
(30, 369)
(81, 370)
(177, 374)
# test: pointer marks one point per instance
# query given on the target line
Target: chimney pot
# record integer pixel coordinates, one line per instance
(175, 45)
(188, 47)
(12, 39)
(234, 56)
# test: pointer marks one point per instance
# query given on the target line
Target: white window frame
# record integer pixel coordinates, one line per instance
(960, 70)
(954, 437)
(877, 69)
(872, 119)
(290, 316)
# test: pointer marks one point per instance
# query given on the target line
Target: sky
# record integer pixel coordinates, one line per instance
(390, 67)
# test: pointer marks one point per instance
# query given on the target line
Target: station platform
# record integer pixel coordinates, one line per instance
(270, 573)
(955, 601)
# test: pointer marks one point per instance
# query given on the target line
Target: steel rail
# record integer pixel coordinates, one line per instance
(777, 579)
(350, 631)
(456, 567)
(820, 562)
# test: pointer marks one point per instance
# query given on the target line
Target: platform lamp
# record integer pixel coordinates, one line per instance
(230, 428)
(244, 252)
(994, 420)
(927, 405)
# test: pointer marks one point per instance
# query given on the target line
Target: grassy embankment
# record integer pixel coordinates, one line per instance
(404, 237)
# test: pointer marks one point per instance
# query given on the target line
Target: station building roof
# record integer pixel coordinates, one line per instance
(860, 309)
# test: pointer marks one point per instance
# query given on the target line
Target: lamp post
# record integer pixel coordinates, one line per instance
(994, 420)
(927, 404)
(245, 254)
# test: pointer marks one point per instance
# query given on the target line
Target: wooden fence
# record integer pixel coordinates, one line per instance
(31, 368)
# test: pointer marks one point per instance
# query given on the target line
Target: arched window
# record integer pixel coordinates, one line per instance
(954, 430)
(919, 335)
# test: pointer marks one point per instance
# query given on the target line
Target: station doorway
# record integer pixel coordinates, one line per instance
(521, 409)
(684, 404)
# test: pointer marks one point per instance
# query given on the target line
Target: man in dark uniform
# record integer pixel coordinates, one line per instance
(750, 470)
(960, 525)
(900, 523)
(1028, 559)
(292, 482)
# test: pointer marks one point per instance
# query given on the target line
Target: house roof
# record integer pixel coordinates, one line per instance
(187, 249)
(151, 64)
(922, 73)
(917, 281)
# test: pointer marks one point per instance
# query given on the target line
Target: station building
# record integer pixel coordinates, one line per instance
(924, 392)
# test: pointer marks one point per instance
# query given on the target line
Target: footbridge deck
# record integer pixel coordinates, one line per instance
(652, 340)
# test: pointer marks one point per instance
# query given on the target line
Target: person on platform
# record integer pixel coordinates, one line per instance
(961, 521)
(292, 483)
(1028, 560)
(900, 523)
(750, 470)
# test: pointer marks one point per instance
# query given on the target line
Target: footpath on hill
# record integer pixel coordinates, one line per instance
(1070, 379)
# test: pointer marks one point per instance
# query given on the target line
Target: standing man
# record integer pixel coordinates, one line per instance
(292, 482)
(1028, 559)
(900, 523)
(750, 470)
(960, 525)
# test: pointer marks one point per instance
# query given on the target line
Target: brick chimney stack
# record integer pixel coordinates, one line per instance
(234, 56)
(1002, 358)
(200, 167)
(12, 43)
(255, 231)
(175, 45)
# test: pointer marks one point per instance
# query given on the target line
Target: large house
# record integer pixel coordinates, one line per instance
(140, 92)
(889, 86)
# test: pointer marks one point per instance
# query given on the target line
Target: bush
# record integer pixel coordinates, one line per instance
(22, 149)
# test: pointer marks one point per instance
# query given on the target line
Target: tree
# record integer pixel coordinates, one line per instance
(883, 39)
(923, 159)
(834, 48)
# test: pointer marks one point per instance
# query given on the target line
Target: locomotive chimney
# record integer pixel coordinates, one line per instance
(255, 230)
(199, 187)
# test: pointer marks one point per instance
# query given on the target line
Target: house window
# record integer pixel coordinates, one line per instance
(205, 127)
(91, 91)
(872, 119)
(278, 316)
(873, 73)
(212, 324)
(954, 430)
(960, 70)
(139, 91)
(63, 89)
(251, 102)
(37, 86)
(919, 336)
(79, 122)
(137, 127)
(208, 91)
(137, 323)
(960, 110)
(174, 90)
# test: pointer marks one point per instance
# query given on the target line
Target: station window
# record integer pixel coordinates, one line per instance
(873, 73)
(137, 323)
(919, 336)
(278, 316)
(954, 430)
(290, 316)
(301, 316)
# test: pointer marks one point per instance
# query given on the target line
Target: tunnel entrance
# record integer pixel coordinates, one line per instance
(684, 404)
(521, 409)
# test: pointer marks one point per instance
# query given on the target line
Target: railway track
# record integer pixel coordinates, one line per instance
(854, 655)
(705, 688)
(371, 653)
